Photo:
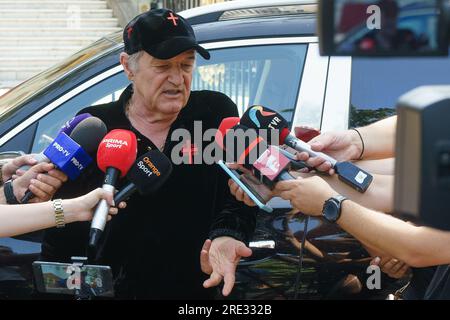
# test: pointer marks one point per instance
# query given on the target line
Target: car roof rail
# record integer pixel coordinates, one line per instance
(245, 9)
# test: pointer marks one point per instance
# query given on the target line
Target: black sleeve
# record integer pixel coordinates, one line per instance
(233, 218)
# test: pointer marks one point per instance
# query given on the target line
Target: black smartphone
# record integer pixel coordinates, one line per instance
(246, 187)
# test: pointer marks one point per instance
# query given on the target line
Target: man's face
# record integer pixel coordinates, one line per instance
(165, 85)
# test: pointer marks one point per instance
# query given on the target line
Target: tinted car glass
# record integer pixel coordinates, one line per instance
(378, 83)
(265, 75)
(102, 92)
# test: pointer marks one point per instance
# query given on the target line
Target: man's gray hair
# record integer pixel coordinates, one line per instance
(133, 61)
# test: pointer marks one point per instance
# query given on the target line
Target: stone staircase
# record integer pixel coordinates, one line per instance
(35, 34)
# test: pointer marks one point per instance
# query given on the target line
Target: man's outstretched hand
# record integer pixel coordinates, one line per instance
(219, 258)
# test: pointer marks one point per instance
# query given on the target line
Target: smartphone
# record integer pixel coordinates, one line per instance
(67, 278)
(246, 187)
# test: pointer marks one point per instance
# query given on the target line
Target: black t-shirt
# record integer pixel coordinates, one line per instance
(419, 283)
(153, 245)
(439, 288)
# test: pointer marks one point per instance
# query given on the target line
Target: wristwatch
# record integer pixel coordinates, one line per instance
(9, 193)
(59, 213)
(332, 208)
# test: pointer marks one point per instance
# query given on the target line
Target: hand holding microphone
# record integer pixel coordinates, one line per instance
(42, 180)
(10, 168)
(343, 146)
(82, 208)
(115, 155)
(306, 195)
(258, 117)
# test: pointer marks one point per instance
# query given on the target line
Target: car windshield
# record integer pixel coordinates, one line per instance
(25, 90)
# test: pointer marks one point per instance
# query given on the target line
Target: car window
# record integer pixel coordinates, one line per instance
(378, 83)
(103, 92)
(266, 75)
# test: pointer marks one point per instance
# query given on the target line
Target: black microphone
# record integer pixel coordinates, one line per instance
(259, 117)
(277, 128)
(146, 175)
(87, 134)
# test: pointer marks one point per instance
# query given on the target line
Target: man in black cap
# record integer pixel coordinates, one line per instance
(154, 244)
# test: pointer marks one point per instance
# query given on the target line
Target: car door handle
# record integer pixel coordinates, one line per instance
(263, 244)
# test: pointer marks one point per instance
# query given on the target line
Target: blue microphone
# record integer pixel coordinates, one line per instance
(71, 154)
(67, 128)
(67, 155)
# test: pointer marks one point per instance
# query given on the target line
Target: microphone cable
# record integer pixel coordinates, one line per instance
(300, 260)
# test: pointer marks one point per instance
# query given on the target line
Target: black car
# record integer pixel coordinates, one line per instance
(258, 56)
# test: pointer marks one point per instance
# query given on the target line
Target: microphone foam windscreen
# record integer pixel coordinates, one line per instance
(88, 134)
(261, 118)
(225, 125)
(150, 171)
(68, 127)
(117, 150)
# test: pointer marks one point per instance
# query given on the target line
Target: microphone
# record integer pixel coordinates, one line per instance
(115, 155)
(71, 124)
(230, 122)
(273, 166)
(243, 145)
(259, 117)
(71, 154)
(146, 175)
(67, 128)
(224, 127)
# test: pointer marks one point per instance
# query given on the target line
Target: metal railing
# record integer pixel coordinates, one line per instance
(180, 5)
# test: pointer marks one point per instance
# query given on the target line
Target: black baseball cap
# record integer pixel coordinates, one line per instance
(161, 33)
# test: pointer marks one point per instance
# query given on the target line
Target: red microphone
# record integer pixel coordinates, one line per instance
(115, 156)
(225, 125)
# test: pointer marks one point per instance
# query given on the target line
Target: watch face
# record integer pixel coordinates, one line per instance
(331, 210)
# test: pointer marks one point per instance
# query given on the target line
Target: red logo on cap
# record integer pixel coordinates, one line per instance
(173, 18)
(130, 29)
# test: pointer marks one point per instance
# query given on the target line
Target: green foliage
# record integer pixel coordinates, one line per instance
(363, 117)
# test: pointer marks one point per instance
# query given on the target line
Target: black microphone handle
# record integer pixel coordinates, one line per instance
(285, 176)
(125, 193)
(27, 197)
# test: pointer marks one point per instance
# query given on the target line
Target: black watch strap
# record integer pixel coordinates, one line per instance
(332, 213)
(9, 193)
(338, 198)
